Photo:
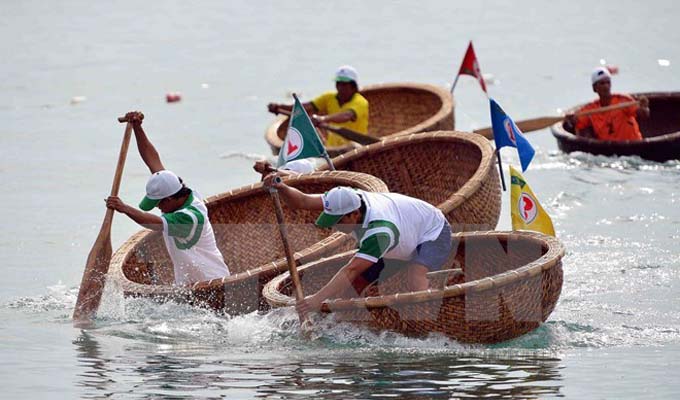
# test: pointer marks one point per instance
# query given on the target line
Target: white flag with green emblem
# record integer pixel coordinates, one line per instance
(301, 141)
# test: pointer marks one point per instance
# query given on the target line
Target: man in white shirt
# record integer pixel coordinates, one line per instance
(388, 226)
(187, 231)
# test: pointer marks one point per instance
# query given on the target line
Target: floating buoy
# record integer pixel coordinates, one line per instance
(173, 97)
(78, 99)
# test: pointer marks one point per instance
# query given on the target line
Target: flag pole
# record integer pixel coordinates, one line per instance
(500, 168)
(453, 86)
(329, 161)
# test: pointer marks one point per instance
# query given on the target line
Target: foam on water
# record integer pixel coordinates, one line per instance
(244, 156)
(57, 298)
(582, 319)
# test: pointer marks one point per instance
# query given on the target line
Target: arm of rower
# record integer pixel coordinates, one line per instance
(288, 108)
(643, 108)
(299, 200)
(342, 280)
(147, 150)
(340, 117)
(145, 219)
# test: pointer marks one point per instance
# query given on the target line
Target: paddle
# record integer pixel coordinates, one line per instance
(97, 266)
(292, 268)
(534, 124)
(344, 132)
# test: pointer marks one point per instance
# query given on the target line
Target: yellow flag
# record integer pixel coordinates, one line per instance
(526, 211)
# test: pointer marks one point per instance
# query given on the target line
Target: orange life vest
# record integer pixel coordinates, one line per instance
(614, 125)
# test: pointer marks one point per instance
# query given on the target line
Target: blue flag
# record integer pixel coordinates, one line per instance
(506, 133)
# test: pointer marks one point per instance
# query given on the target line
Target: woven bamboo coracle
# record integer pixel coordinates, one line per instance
(247, 234)
(394, 109)
(454, 171)
(660, 132)
(496, 286)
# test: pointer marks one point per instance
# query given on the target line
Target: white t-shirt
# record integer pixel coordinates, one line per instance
(190, 241)
(395, 225)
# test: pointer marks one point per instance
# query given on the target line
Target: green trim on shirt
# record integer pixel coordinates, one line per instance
(378, 238)
(185, 225)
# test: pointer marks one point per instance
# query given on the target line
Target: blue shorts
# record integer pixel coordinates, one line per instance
(432, 255)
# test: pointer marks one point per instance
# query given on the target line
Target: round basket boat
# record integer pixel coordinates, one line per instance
(661, 133)
(394, 109)
(497, 286)
(453, 171)
(247, 235)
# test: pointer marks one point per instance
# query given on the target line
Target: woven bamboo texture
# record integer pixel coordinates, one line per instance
(661, 133)
(394, 109)
(247, 235)
(498, 286)
(454, 171)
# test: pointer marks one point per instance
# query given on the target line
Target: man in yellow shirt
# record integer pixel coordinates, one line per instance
(345, 108)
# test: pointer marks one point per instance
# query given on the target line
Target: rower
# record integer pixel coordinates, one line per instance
(187, 232)
(344, 108)
(616, 125)
(392, 230)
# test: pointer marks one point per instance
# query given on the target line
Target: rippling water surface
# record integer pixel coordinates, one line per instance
(72, 67)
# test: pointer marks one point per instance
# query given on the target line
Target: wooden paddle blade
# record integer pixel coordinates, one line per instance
(527, 125)
(97, 266)
(94, 276)
(534, 124)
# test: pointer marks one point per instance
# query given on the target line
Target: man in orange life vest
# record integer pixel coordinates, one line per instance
(616, 125)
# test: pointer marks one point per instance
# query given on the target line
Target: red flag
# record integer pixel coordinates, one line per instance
(470, 66)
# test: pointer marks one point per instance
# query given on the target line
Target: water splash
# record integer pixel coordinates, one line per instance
(584, 318)
(242, 155)
(57, 298)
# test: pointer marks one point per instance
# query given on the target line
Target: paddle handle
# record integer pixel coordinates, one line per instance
(607, 108)
(118, 175)
(344, 132)
(534, 124)
(124, 119)
(292, 268)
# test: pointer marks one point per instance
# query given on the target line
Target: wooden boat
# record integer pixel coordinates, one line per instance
(394, 109)
(454, 171)
(247, 234)
(497, 286)
(661, 133)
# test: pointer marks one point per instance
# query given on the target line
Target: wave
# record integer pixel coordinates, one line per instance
(144, 321)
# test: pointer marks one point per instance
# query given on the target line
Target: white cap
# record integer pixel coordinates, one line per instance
(338, 202)
(160, 185)
(599, 74)
(346, 73)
